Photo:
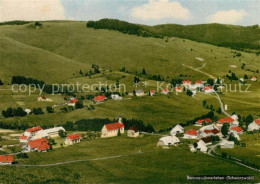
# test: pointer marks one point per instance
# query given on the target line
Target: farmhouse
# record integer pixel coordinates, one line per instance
(165, 91)
(253, 78)
(201, 146)
(226, 144)
(208, 130)
(48, 133)
(31, 131)
(208, 89)
(236, 129)
(151, 92)
(72, 102)
(112, 129)
(178, 89)
(255, 125)
(116, 97)
(99, 99)
(207, 140)
(133, 132)
(138, 92)
(177, 129)
(232, 121)
(39, 145)
(198, 84)
(72, 139)
(203, 122)
(6, 159)
(190, 134)
(168, 140)
(186, 82)
(28, 111)
(23, 139)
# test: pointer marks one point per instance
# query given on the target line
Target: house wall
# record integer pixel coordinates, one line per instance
(132, 133)
(111, 133)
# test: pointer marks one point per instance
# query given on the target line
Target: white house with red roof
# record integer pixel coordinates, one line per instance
(209, 130)
(165, 91)
(199, 84)
(208, 89)
(186, 82)
(6, 159)
(178, 89)
(236, 129)
(99, 99)
(39, 145)
(112, 129)
(254, 126)
(232, 121)
(23, 139)
(72, 102)
(32, 131)
(72, 139)
(151, 92)
(253, 78)
(203, 121)
(190, 134)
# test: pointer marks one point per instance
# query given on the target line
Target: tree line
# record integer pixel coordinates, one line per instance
(121, 26)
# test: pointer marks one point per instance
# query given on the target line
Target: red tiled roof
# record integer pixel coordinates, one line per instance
(73, 101)
(73, 137)
(225, 120)
(214, 131)
(23, 137)
(178, 88)
(253, 77)
(6, 158)
(134, 129)
(37, 143)
(257, 121)
(114, 126)
(198, 82)
(43, 146)
(152, 91)
(191, 132)
(207, 120)
(34, 129)
(100, 98)
(207, 88)
(237, 129)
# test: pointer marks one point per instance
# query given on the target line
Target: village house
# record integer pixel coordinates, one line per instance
(72, 102)
(23, 139)
(226, 144)
(203, 122)
(48, 133)
(198, 84)
(190, 134)
(208, 89)
(165, 91)
(40, 145)
(99, 99)
(138, 92)
(232, 121)
(116, 97)
(6, 159)
(151, 92)
(209, 130)
(255, 125)
(178, 89)
(168, 141)
(236, 129)
(177, 129)
(207, 140)
(112, 129)
(186, 83)
(31, 131)
(72, 139)
(133, 132)
(253, 78)
(201, 146)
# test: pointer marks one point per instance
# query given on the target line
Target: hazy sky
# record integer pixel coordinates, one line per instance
(241, 12)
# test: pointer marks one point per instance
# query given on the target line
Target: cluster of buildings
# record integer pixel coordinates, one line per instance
(36, 139)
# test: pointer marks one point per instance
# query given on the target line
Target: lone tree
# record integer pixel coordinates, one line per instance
(189, 92)
(62, 133)
(224, 129)
(249, 119)
(118, 132)
(143, 72)
(1, 83)
(79, 105)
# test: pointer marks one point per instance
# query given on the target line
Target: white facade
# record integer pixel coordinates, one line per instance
(168, 140)
(116, 97)
(177, 129)
(253, 126)
(28, 111)
(51, 132)
(132, 133)
(226, 144)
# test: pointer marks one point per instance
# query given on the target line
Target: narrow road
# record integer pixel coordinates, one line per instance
(221, 104)
(197, 70)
